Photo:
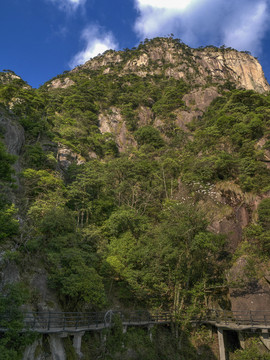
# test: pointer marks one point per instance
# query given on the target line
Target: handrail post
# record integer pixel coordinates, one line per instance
(33, 327)
(60, 321)
(49, 320)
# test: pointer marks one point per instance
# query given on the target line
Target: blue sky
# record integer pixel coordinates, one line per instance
(42, 38)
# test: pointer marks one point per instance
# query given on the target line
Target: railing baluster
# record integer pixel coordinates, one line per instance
(60, 321)
(34, 324)
(49, 321)
(76, 323)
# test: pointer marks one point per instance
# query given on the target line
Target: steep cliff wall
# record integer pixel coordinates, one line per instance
(179, 61)
(238, 67)
(124, 157)
(12, 131)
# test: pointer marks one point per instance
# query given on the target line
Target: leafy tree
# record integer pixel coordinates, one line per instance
(148, 135)
(6, 161)
(13, 341)
(9, 226)
(264, 213)
(77, 282)
(165, 265)
(40, 181)
(225, 140)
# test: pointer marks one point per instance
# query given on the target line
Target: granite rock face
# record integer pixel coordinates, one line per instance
(241, 68)
(112, 122)
(61, 83)
(248, 293)
(13, 133)
(66, 157)
(193, 65)
(57, 347)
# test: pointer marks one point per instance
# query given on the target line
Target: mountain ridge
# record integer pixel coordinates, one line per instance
(144, 182)
(218, 63)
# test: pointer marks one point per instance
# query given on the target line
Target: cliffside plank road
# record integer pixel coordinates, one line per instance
(54, 322)
(77, 324)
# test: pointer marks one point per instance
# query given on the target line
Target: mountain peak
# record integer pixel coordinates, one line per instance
(172, 58)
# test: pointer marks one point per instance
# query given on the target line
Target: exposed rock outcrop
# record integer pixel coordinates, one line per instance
(9, 77)
(61, 83)
(194, 65)
(66, 157)
(241, 68)
(36, 351)
(30, 352)
(248, 293)
(57, 347)
(145, 116)
(112, 122)
(185, 117)
(200, 99)
(13, 133)
(47, 299)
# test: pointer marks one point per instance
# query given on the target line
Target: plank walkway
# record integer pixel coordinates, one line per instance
(238, 320)
(74, 322)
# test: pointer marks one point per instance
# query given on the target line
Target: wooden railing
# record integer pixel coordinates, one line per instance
(46, 322)
(242, 317)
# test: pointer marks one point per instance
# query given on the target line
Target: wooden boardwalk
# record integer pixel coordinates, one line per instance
(237, 320)
(75, 322)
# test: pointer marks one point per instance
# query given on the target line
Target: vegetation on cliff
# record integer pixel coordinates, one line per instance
(132, 223)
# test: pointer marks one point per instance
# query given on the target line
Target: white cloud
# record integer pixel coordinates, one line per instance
(240, 24)
(68, 5)
(168, 4)
(97, 41)
(248, 30)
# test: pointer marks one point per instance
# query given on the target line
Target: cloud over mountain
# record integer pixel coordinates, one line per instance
(96, 42)
(240, 24)
(68, 5)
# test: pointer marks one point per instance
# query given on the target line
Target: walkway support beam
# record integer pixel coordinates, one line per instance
(265, 338)
(222, 353)
(77, 342)
(150, 328)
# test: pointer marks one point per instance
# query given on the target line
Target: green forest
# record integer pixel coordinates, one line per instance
(132, 227)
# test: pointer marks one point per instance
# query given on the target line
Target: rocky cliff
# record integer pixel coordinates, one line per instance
(136, 167)
(199, 66)
(208, 71)
(12, 131)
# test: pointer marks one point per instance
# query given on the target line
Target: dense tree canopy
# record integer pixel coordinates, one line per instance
(132, 221)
